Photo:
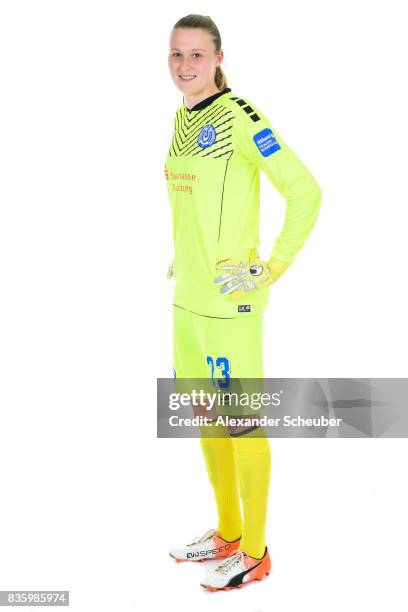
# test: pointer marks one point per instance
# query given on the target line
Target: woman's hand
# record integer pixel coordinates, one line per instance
(170, 272)
(242, 276)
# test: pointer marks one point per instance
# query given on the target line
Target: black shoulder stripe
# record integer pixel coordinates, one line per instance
(246, 107)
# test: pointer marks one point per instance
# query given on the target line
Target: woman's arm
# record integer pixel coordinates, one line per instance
(259, 142)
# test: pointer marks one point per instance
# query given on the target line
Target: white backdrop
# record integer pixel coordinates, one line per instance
(90, 500)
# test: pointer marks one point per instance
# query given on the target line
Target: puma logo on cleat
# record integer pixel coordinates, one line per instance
(204, 553)
(239, 577)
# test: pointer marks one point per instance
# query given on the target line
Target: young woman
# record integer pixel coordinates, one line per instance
(220, 143)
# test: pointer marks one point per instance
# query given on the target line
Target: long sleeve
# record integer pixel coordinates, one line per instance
(259, 142)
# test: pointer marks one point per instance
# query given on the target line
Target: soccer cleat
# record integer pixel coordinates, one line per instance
(237, 569)
(211, 545)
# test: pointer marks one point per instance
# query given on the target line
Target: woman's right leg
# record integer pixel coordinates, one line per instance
(216, 445)
(219, 458)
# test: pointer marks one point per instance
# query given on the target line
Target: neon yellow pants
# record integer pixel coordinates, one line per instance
(238, 467)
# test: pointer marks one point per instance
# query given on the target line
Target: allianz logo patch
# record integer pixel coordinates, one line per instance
(244, 308)
(266, 142)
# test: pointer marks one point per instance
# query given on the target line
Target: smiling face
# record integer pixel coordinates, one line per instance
(192, 54)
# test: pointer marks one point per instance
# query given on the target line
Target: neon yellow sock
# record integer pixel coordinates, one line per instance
(253, 464)
(219, 458)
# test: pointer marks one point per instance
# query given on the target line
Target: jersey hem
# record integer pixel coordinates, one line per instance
(228, 309)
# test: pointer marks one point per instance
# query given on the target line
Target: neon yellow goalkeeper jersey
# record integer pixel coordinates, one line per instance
(213, 168)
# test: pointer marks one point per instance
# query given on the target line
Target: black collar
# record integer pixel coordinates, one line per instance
(207, 101)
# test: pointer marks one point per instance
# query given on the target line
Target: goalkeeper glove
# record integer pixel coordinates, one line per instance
(170, 272)
(243, 276)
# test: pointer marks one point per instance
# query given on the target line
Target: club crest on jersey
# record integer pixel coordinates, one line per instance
(207, 136)
(266, 142)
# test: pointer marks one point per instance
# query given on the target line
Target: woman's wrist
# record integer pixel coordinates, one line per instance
(277, 267)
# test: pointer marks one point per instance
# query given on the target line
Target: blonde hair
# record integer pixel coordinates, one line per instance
(206, 23)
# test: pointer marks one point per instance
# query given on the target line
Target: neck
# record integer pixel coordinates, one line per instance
(193, 99)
